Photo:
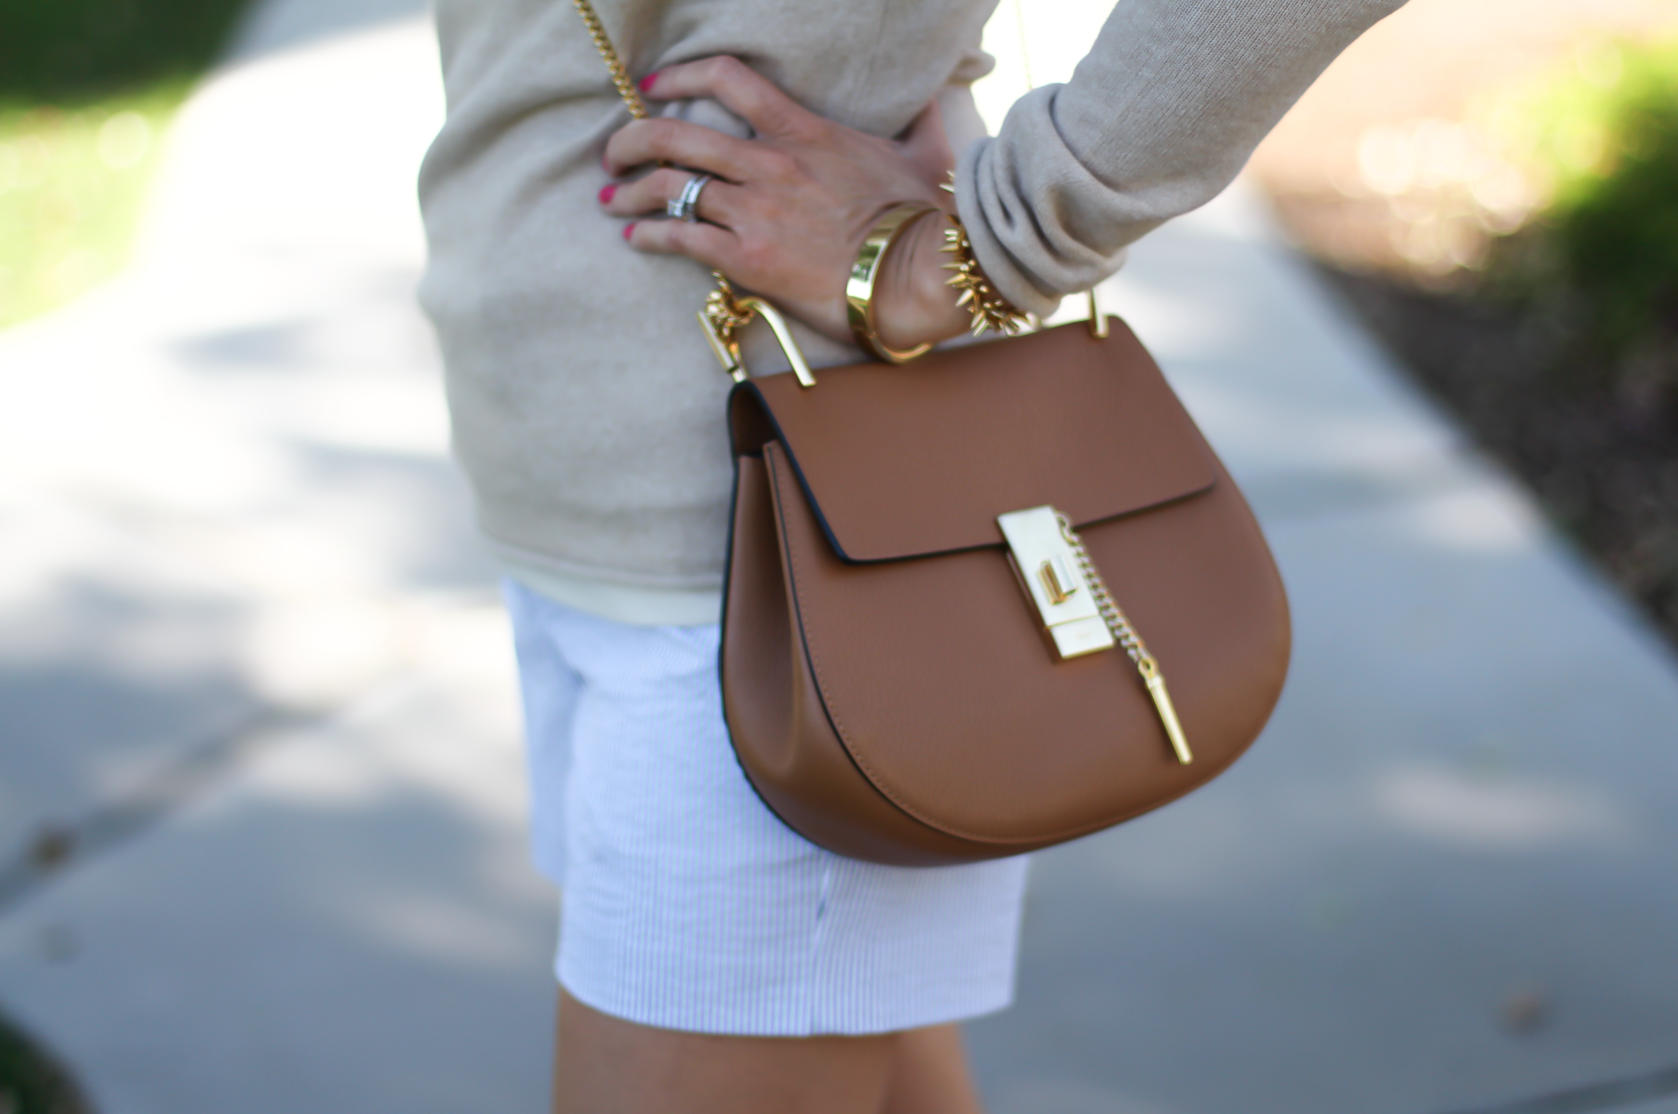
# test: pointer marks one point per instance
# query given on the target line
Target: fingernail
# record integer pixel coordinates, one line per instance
(647, 82)
(606, 193)
(628, 228)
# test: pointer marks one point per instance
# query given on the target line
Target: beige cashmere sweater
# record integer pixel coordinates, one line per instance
(587, 409)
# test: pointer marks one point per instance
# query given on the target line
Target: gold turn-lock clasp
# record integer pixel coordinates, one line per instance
(1059, 581)
(726, 313)
(1047, 568)
(1077, 611)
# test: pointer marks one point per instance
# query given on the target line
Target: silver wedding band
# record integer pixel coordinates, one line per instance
(686, 205)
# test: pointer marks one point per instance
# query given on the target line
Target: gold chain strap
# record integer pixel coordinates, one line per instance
(609, 55)
(1127, 637)
(725, 312)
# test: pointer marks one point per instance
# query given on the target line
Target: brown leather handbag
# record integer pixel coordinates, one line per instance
(924, 659)
(892, 683)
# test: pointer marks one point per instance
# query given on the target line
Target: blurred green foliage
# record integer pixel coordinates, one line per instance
(72, 182)
(1603, 139)
(86, 90)
(66, 52)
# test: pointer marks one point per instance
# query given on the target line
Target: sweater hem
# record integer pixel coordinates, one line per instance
(638, 605)
(518, 555)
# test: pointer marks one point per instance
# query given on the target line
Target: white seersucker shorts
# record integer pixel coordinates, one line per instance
(687, 904)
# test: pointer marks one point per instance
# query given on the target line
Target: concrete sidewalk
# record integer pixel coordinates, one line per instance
(261, 840)
(1444, 878)
(255, 673)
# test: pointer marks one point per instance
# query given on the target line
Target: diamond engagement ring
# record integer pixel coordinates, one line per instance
(686, 205)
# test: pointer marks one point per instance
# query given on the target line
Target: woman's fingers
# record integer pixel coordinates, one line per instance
(652, 194)
(712, 246)
(684, 144)
(786, 209)
(738, 88)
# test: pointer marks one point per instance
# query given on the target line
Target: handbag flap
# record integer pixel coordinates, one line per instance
(920, 459)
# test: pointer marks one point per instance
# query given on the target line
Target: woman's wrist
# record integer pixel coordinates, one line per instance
(913, 303)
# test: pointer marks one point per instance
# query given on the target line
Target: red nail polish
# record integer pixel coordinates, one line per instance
(628, 228)
(647, 82)
(606, 193)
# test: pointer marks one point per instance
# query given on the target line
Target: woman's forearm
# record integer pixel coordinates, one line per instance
(1157, 119)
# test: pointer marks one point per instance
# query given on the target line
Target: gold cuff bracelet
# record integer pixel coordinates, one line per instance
(859, 288)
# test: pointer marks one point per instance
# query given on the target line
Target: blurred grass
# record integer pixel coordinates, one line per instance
(74, 52)
(72, 182)
(87, 88)
(1601, 141)
(1556, 337)
(30, 1082)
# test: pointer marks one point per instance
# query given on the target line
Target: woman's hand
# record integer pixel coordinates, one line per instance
(786, 212)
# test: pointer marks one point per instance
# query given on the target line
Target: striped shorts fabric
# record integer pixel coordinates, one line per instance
(686, 903)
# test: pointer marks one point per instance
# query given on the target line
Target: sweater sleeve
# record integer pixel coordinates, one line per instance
(1158, 118)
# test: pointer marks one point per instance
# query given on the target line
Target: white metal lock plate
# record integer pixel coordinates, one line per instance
(1049, 572)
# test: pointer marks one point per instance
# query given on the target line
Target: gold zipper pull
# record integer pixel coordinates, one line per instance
(1155, 680)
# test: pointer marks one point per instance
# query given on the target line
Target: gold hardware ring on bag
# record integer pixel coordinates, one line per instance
(726, 313)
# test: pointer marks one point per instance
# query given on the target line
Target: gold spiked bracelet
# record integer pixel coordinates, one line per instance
(990, 309)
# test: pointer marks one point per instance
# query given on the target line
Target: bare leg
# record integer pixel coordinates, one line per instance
(929, 1074)
(603, 1065)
